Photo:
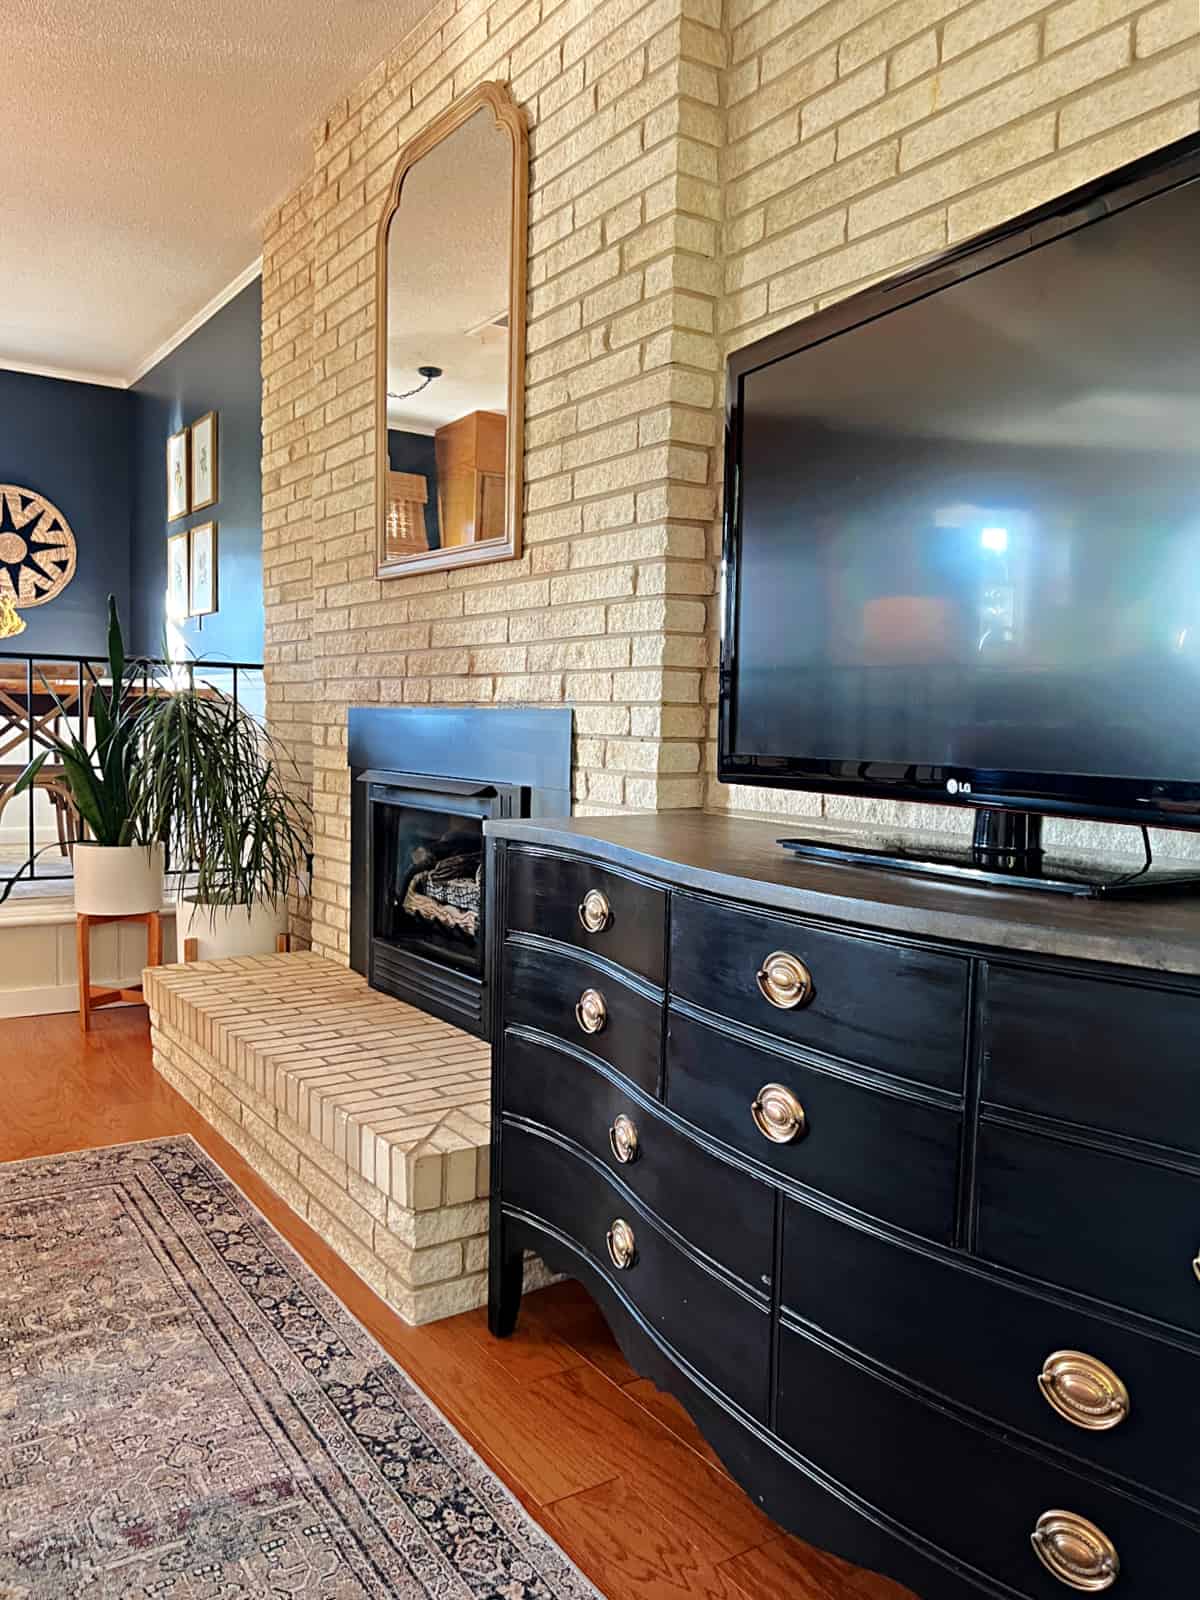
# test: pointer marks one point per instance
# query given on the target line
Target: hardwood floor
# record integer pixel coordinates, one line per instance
(610, 1466)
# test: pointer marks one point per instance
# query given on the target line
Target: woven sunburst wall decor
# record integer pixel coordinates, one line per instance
(37, 548)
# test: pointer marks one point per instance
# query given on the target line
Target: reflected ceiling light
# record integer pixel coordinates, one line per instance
(994, 539)
(426, 374)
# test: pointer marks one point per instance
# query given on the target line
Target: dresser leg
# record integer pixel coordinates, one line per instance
(505, 1271)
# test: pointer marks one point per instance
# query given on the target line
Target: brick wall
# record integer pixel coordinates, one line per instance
(698, 177)
(607, 608)
(289, 411)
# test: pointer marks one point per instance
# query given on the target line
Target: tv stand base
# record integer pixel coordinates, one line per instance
(1007, 852)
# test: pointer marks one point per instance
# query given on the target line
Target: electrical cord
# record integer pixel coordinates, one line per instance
(1138, 872)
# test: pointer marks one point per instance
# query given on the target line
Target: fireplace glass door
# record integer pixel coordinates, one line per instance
(428, 875)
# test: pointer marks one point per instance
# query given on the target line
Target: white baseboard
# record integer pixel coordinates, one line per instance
(39, 1002)
(37, 958)
(52, 1000)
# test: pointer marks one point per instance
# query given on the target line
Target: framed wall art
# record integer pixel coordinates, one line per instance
(204, 462)
(178, 484)
(177, 577)
(203, 570)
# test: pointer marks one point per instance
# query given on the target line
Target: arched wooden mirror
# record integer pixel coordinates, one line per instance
(451, 340)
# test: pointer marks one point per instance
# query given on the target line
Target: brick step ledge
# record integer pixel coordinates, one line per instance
(369, 1118)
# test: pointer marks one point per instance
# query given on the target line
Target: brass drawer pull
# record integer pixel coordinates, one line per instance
(785, 981)
(595, 913)
(778, 1115)
(1076, 1551)
(591, 1011)
(622, 1249)
(623, 1138)
(1083, 1390)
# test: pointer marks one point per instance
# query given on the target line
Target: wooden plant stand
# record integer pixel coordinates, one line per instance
(90, 998)
(191, 947)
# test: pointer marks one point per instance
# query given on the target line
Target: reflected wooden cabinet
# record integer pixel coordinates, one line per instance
(491, 505)
(471, 457)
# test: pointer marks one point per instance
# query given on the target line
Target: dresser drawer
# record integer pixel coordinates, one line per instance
(558, 993)
(724, 1213)
(595, 908)
(1125, 1231)
(718, 1329)
(1109, 1055)
(882, 1152)
(988, 1344)
(894, 1007)
(966, 1491)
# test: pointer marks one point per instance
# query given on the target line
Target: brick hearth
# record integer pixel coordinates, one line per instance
(368, 1117)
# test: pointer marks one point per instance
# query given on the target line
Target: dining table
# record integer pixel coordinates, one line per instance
(36, 702)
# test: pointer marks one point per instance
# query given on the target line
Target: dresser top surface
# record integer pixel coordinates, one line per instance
(742, 858)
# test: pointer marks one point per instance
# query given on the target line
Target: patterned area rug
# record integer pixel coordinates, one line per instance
(187, 1413)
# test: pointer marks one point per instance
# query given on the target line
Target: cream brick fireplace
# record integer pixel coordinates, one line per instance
(701, 173)
(369, 1118)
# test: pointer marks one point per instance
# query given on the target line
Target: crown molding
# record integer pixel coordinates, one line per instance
(192, 325)
(66, 374)
(218, 301)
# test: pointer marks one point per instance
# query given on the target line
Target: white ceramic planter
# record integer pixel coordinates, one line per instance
(229, 931)
(113, 880)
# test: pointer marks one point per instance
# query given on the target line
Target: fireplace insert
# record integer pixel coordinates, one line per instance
(425, 781)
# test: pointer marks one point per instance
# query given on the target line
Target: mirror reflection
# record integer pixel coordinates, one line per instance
(448, 321)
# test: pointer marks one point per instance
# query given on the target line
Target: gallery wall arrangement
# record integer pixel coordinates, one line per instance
(206, 397)
(192, 485)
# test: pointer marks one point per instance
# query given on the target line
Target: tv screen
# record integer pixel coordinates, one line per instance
(964, 535)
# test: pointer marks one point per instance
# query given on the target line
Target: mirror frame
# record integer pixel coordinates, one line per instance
(510, 119)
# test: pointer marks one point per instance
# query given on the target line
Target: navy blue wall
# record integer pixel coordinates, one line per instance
(216, 369)
(416, 452)
(100, 455)
(70, 442)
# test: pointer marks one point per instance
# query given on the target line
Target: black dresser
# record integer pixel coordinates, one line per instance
(896, 1185)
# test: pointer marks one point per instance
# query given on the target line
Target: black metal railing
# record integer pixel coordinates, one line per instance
(38, 692)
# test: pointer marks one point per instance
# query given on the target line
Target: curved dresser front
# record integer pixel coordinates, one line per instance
(899, 1195)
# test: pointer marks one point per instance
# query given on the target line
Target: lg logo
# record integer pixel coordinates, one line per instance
(954, 787)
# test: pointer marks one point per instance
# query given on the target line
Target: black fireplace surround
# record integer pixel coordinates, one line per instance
(424, 781)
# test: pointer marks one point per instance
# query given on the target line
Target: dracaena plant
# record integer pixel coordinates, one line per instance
(221, 793)
(101, 777)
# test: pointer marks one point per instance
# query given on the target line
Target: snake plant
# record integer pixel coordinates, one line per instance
(176, 761)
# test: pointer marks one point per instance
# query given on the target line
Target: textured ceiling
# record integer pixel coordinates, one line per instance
(142, 142)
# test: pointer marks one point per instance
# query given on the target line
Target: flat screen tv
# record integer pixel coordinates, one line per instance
(962, 543)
